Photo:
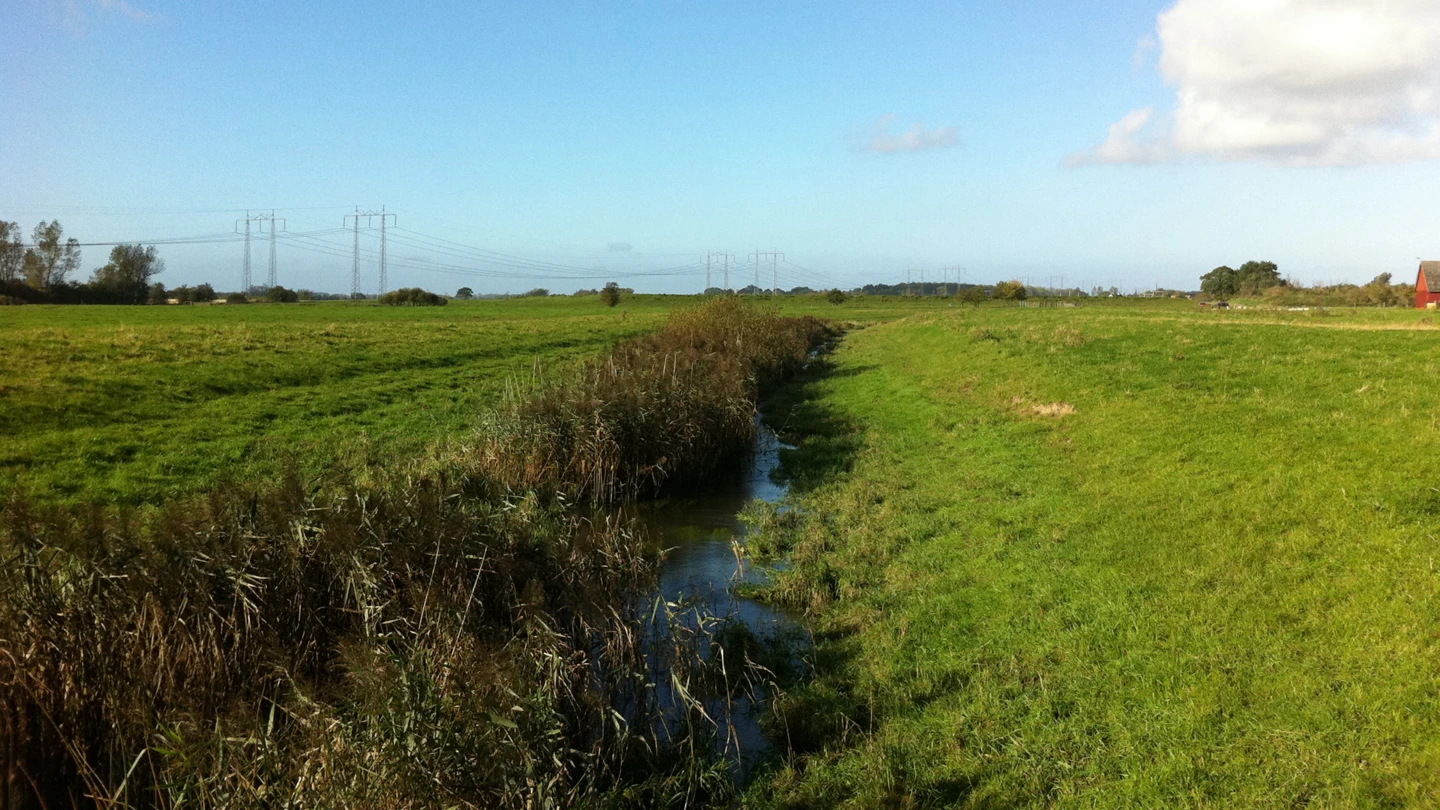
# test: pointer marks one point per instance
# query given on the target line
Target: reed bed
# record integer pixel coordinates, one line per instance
(660, 411)
(460, 630)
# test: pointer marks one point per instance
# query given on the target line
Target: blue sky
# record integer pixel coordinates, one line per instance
(556, 132)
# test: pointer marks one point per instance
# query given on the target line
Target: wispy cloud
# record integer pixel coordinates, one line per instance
(1126, 144)
(77, 13)
(619, 247)
(915, 139)
(1292, 82)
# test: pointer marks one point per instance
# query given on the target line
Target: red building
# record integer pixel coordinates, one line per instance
(1427, 286)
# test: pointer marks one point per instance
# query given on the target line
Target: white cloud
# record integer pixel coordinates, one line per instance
(1298, 82)
(915, 139)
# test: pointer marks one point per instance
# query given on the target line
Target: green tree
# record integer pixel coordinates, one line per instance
(126, 279)
(974, 296)
(464, 293)
(1220, 282)
(157, 294)
(1254, 277)
(280, 295)
(1380, 292)
(49, 261)
(237, 298)
(12, 251)
(835, 296)
(206, 293)
(611, 294)
(1011, 291)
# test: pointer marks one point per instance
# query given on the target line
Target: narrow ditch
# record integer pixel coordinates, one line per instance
(700, 536)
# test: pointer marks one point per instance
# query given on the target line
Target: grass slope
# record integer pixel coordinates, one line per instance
(1119, 557)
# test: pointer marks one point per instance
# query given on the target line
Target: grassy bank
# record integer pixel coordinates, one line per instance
(456, 629)
(1117, 557)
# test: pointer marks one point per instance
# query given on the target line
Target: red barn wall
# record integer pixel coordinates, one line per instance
(1423, 294)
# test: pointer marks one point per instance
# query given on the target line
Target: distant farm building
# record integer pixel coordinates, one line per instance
(1427, 286)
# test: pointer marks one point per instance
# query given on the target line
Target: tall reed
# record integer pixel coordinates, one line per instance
(667, 409)
(454, 631)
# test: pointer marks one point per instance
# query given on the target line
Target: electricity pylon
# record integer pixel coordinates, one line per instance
(245, 279)
(354, 220)
(774, 256)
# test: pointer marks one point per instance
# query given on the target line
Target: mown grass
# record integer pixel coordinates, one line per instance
(140, 404)
(1117, 557)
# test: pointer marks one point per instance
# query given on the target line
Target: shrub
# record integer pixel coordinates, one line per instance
(280, 295)
(836, 297)
(1011, 291)
(236, 298)
(611, 294)
(412, 297)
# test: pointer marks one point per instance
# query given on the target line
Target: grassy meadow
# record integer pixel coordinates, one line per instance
(1117, 556)
(1125, 554)
(138, 404)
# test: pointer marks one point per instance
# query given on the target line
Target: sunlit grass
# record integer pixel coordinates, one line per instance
(1118, 557)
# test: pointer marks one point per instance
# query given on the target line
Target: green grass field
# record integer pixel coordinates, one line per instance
(1125, 554)
(1139, 556)
(137, 404)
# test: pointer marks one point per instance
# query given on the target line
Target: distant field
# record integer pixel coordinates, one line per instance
(1138, 556)
(134, 404)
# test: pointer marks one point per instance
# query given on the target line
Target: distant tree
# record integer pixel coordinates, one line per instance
(48, 263)
(464, 293)
(305, 295)
(280, 295)
(357, 296)
(836, 296)
(801, 290)
(538, 292)
(1254, 277)
(611, 294)
(1222, 282)
(973, 295)
(126, 279)
(205, 293)
(184, 294)
(236, 298)
(1379, 291)
(156, 294)
(412, 297)
(12, 251)
(1011, 291)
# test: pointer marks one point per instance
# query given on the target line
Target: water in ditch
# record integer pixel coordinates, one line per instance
(698, 533)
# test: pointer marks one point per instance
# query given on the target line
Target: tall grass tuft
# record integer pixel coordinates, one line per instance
(456, 631)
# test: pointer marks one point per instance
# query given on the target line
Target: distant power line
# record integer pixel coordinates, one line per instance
(425, 252)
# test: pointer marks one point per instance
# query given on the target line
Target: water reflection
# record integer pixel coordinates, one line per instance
(697, 533)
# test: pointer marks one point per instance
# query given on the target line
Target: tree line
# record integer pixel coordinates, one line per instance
(1261, 279)
(41, 270)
